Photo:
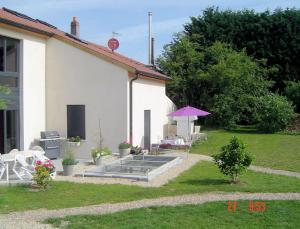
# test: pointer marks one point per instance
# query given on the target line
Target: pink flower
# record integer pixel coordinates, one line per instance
(38, 162)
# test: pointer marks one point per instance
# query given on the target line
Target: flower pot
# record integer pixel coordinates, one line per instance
(74, 144)
(98, 161)
(124, 152)
(68, 170)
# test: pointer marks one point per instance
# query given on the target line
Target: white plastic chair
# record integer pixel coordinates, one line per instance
(39, 156)
(21, 168)
(2, 167)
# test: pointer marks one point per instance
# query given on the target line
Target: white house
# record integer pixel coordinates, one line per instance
(61, 82)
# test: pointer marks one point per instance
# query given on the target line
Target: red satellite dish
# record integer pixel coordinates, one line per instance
(113, 44)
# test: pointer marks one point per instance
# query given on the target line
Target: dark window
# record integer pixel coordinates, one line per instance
(11, 55)
(76, 121)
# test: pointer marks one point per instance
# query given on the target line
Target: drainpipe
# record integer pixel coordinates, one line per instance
(131, 107)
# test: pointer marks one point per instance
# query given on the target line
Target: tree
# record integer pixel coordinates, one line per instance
(273, 36)
(292, 92)
(216, 78)
(233, 159)
(3, 90)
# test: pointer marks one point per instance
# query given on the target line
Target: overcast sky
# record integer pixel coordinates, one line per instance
(99, 18)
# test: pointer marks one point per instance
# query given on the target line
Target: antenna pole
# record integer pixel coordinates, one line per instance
(150, 38)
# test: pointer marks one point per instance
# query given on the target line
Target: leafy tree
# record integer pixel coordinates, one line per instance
(216, 78)
(233, 159)
(273, 36)
(274, 113)
(292, 91)
(3, 90)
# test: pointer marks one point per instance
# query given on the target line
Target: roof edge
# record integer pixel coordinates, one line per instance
(147, 74)
(25, 27)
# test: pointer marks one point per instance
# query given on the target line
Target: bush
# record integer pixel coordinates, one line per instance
(98, 152)
(292, 92)
(274, 113)
(42, 173)
(233, 159)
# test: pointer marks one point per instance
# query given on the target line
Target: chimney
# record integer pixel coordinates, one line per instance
(152, 51)
(75, 27)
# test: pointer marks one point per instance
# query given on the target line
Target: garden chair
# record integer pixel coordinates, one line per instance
(21, 168)
(2, 167)
(39, 156)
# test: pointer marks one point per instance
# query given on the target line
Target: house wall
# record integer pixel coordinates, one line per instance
(150, 95)
(75, 77)
(32, 84)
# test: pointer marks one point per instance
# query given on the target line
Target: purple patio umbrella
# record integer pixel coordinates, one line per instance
(189, 111)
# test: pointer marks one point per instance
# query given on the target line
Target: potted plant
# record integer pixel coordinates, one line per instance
(68, 164)
(74, 140)
(98, 153)
(136, 150)
(124, 148)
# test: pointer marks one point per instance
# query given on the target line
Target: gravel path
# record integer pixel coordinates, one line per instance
(261, 169)
(29, 219)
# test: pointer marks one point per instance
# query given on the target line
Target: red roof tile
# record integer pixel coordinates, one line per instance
(48, 30)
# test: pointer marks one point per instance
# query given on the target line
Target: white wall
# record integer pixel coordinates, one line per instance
(32, 76)
(150, 95)
(75, 77)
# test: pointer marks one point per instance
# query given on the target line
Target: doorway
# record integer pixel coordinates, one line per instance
(147, 129)
(9, 130)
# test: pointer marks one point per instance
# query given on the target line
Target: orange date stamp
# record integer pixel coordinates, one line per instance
(253, 206)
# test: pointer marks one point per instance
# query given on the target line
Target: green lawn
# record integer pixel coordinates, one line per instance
(203, 177)
(279, 214)
(278, 151)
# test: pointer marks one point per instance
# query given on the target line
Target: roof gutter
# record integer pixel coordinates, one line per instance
(166, 78)
(131, 107)
(29, 28)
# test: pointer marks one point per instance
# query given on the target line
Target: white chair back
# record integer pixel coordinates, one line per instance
(39, 156)
(21, 160)
(37, 148)
(197, 129)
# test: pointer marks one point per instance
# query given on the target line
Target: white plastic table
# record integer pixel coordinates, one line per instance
(10, 157)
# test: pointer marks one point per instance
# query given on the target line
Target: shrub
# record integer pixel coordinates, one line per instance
(233, 159)
(98, 152)
(42, 173)
(124, 145)
(274, 113)
(292, 91)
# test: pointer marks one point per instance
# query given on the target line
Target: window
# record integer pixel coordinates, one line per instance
(8, 54)
(76, 121)
(11, 55)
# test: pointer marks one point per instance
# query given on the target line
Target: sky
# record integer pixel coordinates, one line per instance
(129, 18)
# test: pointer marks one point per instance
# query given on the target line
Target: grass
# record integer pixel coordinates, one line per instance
(203, 177)
(279, 214)
(278, 151)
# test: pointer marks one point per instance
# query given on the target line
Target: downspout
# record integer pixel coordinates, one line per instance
(131, 107)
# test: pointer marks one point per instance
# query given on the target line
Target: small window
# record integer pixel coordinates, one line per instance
(76, 121)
